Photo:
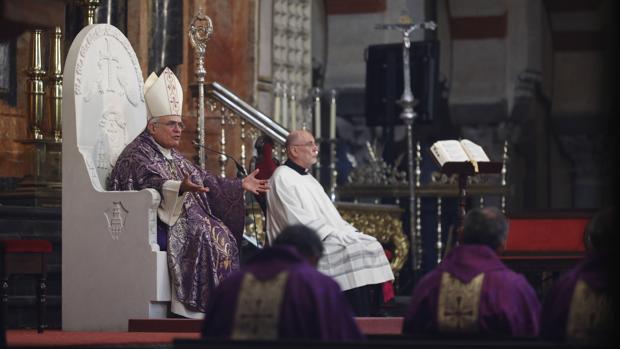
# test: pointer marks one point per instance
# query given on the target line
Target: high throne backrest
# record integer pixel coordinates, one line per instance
(112, 267)
(108, 98)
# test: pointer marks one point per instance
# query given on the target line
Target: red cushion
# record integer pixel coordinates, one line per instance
(267, 166)
(27, 246)
(388, 254)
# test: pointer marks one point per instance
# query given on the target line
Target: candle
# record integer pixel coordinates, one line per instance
(293, 113)
(332, 115)
(276, 108)
(284, 107)
(317, 114)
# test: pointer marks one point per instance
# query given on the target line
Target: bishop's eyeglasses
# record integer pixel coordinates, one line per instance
(172, 124)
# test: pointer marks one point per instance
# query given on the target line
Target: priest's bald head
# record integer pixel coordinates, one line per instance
(164, 102)
(301, 148)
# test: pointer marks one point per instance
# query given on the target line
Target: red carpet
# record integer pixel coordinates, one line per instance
(368, 325)
(380, 325)
(150, 331)
(22, 338)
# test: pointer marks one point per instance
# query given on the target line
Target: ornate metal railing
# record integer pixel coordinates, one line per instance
(262, 122)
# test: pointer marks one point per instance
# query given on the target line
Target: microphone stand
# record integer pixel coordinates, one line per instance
(241, 173)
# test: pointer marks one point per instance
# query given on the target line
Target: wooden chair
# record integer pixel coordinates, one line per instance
(26, 257)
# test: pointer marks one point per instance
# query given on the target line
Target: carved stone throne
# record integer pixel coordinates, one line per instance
(112, 269)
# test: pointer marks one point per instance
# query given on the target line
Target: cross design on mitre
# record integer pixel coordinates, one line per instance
(173, 96)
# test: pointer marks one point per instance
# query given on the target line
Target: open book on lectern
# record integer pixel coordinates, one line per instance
(464, 157)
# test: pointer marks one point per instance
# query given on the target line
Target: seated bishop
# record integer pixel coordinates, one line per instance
(355, 260)
(279, 294)
(471, 292)
(200, 218)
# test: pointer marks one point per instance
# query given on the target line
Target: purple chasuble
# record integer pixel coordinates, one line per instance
(203, 243)
(312, 307)
(595, 323)
(507, 306)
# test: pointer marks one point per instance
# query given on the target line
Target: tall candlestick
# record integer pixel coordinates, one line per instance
(293, 113)
(36, 85)
(56, 85)
(332, 115)
(317, 113)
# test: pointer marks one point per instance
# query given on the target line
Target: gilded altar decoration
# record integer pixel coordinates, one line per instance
(258, 307)
(382, 222)
(377, 171)
(459, 304)
(589, 314)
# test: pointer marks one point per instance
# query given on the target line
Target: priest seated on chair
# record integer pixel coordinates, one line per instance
(355, 260)
(471, 292)
(200, 219)
(279, 294)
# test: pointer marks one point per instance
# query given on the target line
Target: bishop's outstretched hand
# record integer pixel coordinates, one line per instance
(255, 185)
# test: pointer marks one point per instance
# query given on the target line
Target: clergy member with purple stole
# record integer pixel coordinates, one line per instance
(355, 260)
(201, 216)
(279, 294)
(580, 305)
(471, 292)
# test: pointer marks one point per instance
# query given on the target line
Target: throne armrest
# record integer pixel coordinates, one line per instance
(134, 201)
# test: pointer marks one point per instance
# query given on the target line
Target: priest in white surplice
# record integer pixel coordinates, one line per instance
(355, 260)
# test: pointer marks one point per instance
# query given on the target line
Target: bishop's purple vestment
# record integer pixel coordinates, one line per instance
(579, 305)
(203, 242)
(472, 292)
(312, 304)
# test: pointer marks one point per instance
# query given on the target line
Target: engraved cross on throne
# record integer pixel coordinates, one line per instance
(112, 64)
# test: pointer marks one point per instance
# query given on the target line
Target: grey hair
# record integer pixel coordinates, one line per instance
(304, 239)
(486, 226)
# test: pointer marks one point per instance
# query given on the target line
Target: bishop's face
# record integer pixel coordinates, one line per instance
(304, 151)
(167, 131)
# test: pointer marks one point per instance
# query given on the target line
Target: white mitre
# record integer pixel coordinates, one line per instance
(163, 94)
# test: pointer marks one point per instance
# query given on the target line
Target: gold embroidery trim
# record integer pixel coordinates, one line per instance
(258, 307)
(459, 304)
(589, 314)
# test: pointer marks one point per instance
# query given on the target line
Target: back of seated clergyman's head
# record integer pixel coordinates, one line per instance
(485, 226)
(305, 240)
(598, 232)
